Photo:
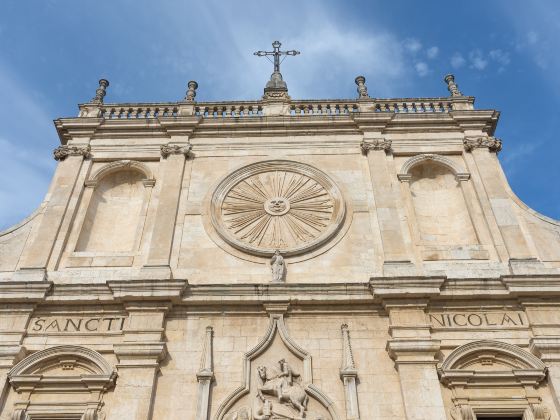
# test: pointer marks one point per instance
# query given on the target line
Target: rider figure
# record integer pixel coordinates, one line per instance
(287, 376)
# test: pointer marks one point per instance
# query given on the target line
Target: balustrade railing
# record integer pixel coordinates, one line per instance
(247, 109)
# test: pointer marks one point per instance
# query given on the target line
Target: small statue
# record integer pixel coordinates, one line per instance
(278, 267)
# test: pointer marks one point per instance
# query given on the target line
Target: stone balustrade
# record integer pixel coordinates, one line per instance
(248, 109)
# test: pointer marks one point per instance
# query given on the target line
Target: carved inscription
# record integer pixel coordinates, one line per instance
(98, 324)
(477, 320)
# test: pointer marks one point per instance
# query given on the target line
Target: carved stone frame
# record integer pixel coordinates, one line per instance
(524, 377)
(479, 250)
(309, 250)
(91, 387)
(79, 258)
(276, 326)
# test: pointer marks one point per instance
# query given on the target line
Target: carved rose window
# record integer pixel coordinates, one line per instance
(281, 205)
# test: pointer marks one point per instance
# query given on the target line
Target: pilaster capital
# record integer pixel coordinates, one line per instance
(375, 144)
(176, 149)
(140, 354)
(414, 351)
(62, 152)
(493, 144)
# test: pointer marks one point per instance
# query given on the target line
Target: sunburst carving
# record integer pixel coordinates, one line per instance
(278, 205)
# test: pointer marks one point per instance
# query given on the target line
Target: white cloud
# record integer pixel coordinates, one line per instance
(421, 68)
(477, 60)
(500, 56)
(412, 45)
(432, 52)
(457, 60)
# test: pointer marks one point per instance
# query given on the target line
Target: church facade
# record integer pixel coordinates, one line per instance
(280, 259)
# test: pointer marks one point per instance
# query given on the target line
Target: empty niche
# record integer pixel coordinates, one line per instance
(114, 214)
(440, 208)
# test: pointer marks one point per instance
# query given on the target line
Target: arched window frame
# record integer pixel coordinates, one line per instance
(524, 378)
(124, 259)
(480, 250)
(90, 388)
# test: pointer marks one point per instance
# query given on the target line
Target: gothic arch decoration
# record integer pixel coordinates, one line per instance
(264, 395)
(486, 367)
(277, 204)
(77, 375)
(119, 165)
(457, 170)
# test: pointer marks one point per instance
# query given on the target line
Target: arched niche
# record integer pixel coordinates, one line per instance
(441, 208)
(113, 211)
(276, 345)
(492, 378)
(61, 382)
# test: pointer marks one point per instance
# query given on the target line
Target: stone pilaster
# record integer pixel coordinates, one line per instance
(349, 376)
(139, 356)
(414, 353)
(483, 150)
(36, 255)
(205, 376)
(172, 166)
(385, 192)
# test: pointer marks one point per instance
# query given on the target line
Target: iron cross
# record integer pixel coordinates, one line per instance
(276, 53)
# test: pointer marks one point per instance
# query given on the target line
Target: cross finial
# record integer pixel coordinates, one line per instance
(276, 53)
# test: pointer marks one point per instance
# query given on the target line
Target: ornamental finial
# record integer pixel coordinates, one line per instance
(452, 86)
(101, 91)
(362, 88)
(191, 91)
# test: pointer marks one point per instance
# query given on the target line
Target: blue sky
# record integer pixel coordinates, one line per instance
(506, 53)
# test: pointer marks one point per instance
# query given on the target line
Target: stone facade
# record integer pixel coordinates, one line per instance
(280, 259)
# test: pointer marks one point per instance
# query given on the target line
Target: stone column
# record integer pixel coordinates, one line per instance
(414, 353)
(36, 255)
(172, 166)
(385, 191)
(484, 151)
(349, 376)
(139, 356)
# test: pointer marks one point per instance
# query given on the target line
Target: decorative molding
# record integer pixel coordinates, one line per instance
(513, 365)
(493, 144)
(460, 173)
(277, 205)
(205, 376)
(349, 376)
(305, 378)
(175, 149)
(118, 165)
(62, 152)
(463, 412)
(375, 144)
(86, 374)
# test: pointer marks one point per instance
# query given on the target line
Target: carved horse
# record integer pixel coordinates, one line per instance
(273, 385)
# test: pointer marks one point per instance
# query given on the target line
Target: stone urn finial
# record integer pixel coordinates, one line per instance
(362, 88)
(191, 91)
(101, 91)
(452, 86)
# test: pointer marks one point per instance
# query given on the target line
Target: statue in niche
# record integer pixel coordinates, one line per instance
(278, 267)
(284, 385)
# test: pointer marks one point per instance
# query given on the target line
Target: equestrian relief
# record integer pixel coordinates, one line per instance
(280, 395)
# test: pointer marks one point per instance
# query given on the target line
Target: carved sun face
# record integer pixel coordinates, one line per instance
(278, 209)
